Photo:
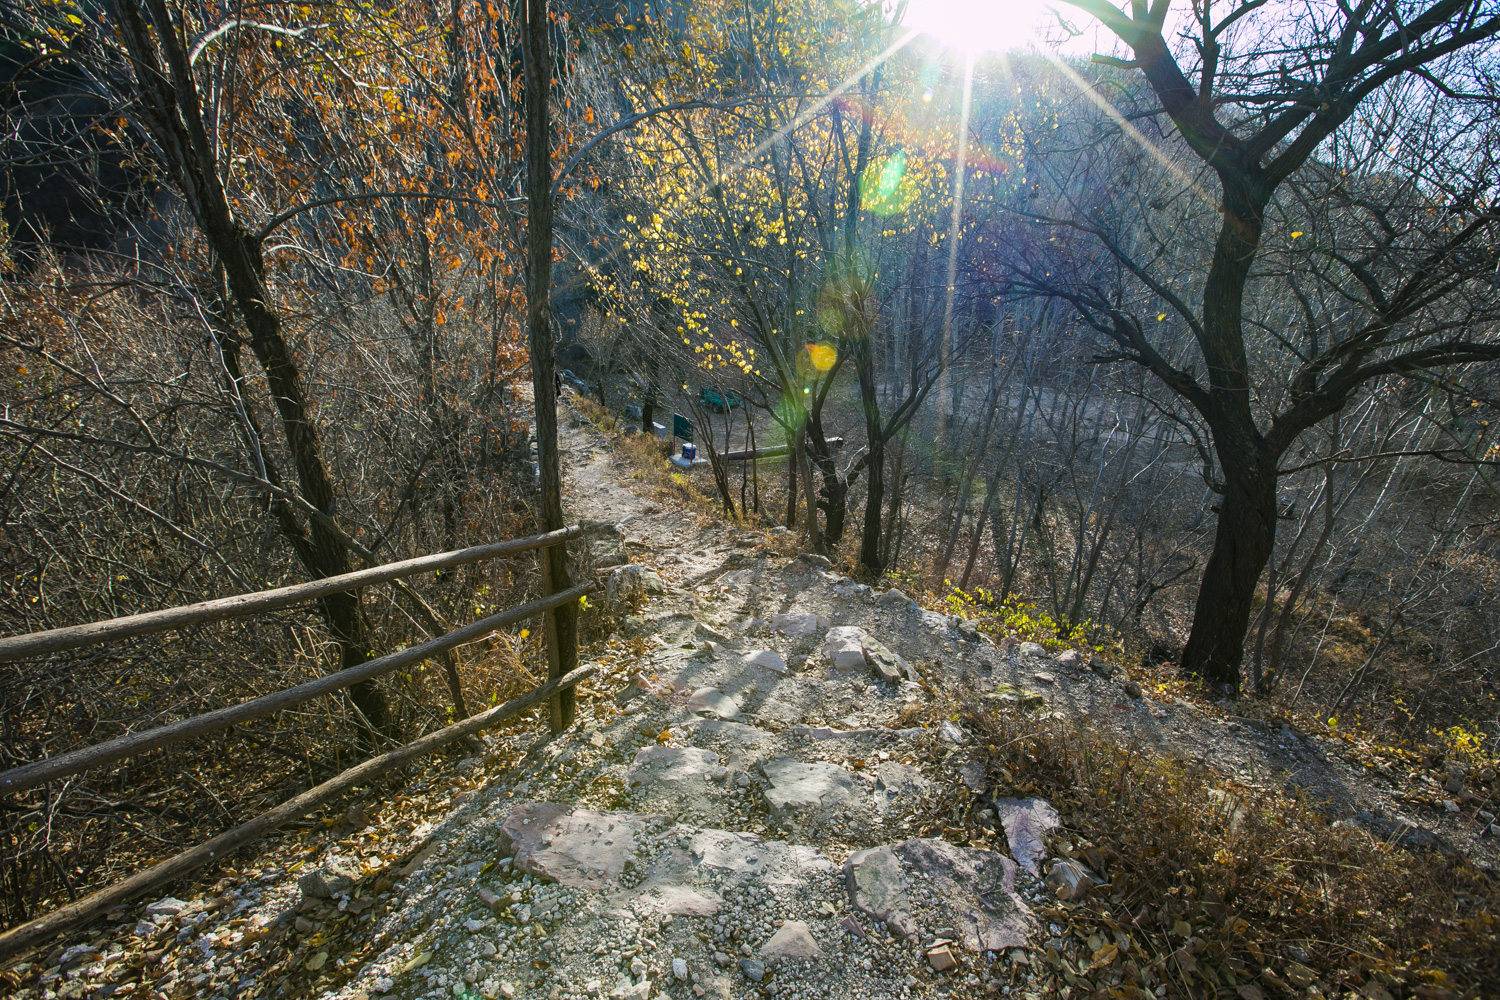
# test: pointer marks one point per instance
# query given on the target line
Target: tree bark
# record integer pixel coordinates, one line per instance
(1243, 541)
(563, 622)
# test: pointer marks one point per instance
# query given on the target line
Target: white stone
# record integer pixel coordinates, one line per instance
(792, 940)
(713, 702)
(845, 647)
(679, 969)
(766, 659)
(799, 624)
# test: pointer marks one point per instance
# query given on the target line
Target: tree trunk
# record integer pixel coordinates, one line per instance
(1242, 546)
(563, 622)
(791, 478)
(1246, 531)
(167, 104)
(869, 542)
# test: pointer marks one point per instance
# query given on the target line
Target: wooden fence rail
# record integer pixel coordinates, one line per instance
(556, 692)
(40, 772)
(56, 640)
(28, 935)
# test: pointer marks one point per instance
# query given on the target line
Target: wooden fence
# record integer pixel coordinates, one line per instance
(563, 674)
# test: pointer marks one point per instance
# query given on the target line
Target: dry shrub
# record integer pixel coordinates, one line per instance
(1222, 886)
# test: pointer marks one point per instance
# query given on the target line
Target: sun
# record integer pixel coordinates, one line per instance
(976, 26)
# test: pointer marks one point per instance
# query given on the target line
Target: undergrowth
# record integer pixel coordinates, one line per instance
(1218, 889)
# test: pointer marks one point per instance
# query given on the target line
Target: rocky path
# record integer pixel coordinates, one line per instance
(747, 806)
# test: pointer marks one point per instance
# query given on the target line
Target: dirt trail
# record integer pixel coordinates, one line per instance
(743, 808)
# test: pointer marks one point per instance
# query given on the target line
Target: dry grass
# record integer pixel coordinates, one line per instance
(1225, 890)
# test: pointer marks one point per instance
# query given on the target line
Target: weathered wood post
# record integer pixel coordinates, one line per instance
(562, 623)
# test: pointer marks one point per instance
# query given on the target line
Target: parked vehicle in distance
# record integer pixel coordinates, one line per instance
(717, 401)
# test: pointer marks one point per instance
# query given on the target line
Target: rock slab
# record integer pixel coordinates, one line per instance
(798, 789)
(582, 849)
(970, 891)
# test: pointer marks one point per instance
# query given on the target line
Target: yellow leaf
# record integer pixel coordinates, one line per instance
(1296, 234)
(1104, 956)
(417, 962)
(1160, 317)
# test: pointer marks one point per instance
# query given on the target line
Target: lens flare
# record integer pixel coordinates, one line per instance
(887, 190)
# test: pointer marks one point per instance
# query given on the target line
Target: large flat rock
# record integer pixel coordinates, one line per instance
(807, 790)
(774, 861)
(932, 883)
(582, 849)
(673, 767)
(681, 782)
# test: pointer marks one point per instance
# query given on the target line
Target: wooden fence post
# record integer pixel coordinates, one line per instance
(562, 647)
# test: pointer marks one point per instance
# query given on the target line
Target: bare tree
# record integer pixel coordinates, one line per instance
(1394, 282)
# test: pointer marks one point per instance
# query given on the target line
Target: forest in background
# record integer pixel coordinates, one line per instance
(1181, 353)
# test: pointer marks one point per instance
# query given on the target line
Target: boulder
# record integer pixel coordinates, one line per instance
(873, 878)
(888, 666)
(329, 880)
(581, 849)
(639, 685)
(850, 648)
(766, 659)
(1070, 881)
(894, 598)
(1398, 832)
(799, 624)
(711, 634)
(941, 958)
(774, 861)
(673, 767)
(610, 552)
(169, 906)
(845, 647)
(626, 585)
